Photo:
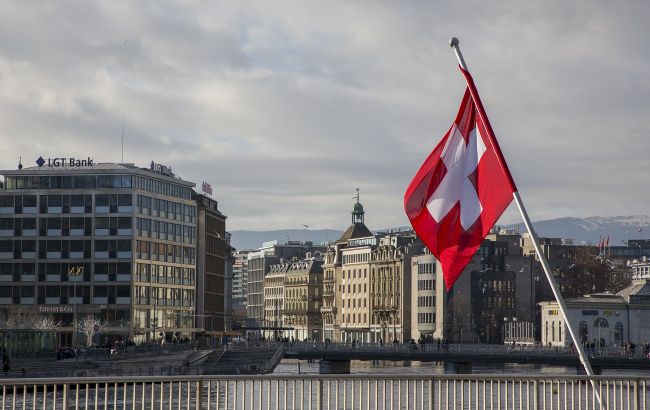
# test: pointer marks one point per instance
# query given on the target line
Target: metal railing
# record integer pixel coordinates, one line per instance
(328, 392)
(460, 348)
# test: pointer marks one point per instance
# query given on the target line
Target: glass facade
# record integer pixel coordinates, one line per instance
(120, 248)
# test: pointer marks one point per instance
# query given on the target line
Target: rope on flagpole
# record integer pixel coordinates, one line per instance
(454, 43)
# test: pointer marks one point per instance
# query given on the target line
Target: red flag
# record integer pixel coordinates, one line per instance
(461, 190)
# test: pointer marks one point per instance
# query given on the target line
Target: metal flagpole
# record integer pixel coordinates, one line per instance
(453, 42)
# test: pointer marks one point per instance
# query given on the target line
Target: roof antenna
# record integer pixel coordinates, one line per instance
(122, 136)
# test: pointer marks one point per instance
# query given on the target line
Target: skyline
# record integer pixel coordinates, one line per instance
(285, 115)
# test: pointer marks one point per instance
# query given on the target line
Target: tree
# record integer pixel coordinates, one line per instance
(458, 319)
(588, 273)
(90, 325)
(15, 317)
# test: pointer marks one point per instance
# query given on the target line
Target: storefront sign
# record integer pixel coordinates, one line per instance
(65, 162)
(55, 309)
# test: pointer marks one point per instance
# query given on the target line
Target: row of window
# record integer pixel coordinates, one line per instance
(97, 181)
(166, 209)
(156, 251)
(353, 288)
(354, 303)
(497, 301)
(154, 273)
(428, 268)
(55, 245)
(356, 258)
(64, 294)
(69, 181)
(66, 269)
(426, 317)
(426, 284)
(426, 301)
(155, 295)
(149, 228)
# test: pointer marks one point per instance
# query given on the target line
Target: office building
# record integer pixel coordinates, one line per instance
(211, 260)
(112, 242)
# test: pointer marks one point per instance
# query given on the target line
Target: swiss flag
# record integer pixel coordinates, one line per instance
(461, 190)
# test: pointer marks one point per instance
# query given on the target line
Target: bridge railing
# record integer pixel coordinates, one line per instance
(462, 348)
(329, 392)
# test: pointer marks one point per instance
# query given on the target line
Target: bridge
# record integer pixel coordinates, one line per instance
(335, 358)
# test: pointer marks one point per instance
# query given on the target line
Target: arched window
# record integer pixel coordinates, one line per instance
(601, 322)
(583, 331)
(618, 333)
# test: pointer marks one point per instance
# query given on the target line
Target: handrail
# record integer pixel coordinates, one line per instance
(199, 378)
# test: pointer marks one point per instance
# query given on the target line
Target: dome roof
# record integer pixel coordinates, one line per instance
(358, 208)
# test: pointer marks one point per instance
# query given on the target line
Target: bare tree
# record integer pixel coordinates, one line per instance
(458, 319)
(591, 274)
(16, 317)
(89, 325)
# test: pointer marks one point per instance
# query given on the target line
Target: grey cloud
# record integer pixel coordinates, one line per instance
(286, 107)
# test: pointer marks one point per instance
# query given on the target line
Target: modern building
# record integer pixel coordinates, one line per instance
(103, 241)
(239, 287)
(423, 300)
(229, 263)
(494, 298)
(211, 250)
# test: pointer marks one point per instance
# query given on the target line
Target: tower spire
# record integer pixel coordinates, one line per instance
(357, 210)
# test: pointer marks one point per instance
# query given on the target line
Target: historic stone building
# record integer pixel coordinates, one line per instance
(303, 290)
(367, 285)
(274, 299)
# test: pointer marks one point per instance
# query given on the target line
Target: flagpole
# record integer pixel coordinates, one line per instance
(453, 42)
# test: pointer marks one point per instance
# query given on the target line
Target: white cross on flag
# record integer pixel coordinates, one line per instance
(461, 190)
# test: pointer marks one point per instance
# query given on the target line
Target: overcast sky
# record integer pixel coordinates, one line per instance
(285, 107)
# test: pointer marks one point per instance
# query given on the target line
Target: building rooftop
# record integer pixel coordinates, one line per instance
(90, 167)
(356, 230)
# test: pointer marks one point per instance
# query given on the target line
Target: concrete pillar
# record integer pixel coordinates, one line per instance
(334, 367)
(458, 367)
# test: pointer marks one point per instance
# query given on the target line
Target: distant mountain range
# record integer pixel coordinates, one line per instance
(589, 230)
(581, 230)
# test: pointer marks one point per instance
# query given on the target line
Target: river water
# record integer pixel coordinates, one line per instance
(292, 366)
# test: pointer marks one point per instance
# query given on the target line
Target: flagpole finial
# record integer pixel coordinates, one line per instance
(453, 43)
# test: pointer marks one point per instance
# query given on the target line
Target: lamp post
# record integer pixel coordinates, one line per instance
(75, 272)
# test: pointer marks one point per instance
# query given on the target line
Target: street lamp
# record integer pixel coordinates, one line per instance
(75, 272)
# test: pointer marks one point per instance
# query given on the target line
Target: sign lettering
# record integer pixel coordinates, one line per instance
(65, 162)
(75, 270)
